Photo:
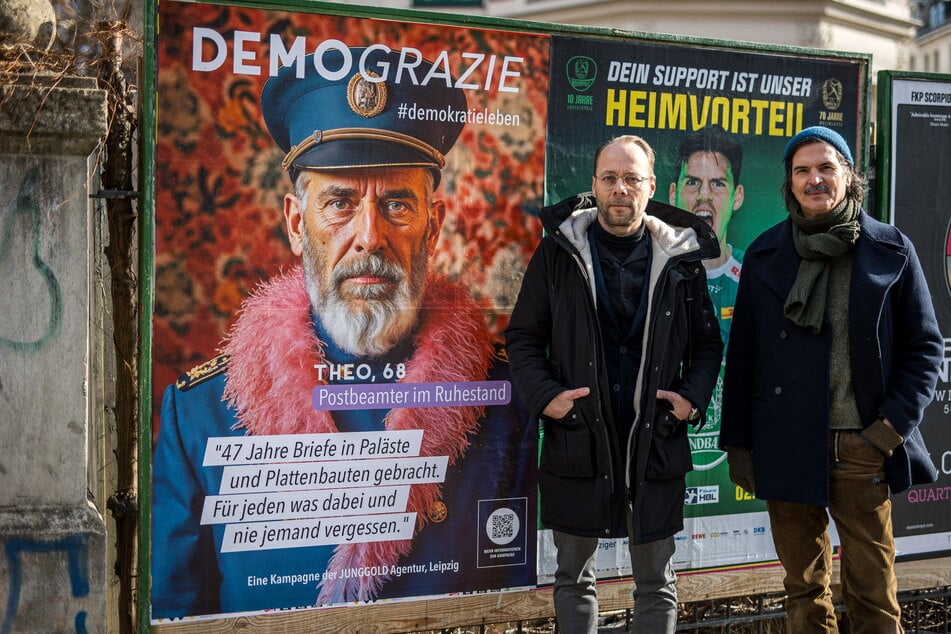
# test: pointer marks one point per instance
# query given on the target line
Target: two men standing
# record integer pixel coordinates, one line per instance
(832, 359)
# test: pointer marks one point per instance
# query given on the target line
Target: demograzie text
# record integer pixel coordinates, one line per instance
(480, 71)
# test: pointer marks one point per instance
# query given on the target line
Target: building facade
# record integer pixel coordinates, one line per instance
(932, 49)
(886, 29)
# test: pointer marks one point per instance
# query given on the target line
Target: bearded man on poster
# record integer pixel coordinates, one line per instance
(364, 219)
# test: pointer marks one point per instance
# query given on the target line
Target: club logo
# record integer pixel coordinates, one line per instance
(832, 94)
(581, 72)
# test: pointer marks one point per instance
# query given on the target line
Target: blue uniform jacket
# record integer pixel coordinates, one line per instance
(190, 576)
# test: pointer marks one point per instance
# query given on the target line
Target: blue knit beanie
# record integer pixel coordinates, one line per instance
(819, 133)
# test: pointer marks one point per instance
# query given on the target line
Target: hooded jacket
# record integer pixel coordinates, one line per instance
(554, 343)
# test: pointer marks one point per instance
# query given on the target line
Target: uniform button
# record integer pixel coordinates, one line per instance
(777, 390)
(607, 531)
(437, 512)
(647, 425)
(783, 334)
(623, 349)
(617, 387)
(667, 313)
(656, 368)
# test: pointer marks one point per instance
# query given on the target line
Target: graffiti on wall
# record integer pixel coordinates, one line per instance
(76, 549)
(24, 214)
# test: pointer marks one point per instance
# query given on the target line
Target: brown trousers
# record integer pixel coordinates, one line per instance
(859, 505)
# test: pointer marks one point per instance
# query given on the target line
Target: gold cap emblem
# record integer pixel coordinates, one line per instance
(365, 97)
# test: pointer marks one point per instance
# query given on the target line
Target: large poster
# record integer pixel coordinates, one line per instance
(918, 165)
(718, 120)
(339, 237)
(344, 208)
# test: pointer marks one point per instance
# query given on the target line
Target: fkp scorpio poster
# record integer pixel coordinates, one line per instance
(916, 157)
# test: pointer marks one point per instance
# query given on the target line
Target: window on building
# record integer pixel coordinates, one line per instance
(936, 14)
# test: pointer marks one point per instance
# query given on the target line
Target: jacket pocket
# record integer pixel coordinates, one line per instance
(669, 455)
(566, 447)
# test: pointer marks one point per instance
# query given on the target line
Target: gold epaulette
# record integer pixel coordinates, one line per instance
(203, 372)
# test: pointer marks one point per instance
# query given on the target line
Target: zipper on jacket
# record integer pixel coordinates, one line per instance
(645, 369)
(597, 368)
(663, 280)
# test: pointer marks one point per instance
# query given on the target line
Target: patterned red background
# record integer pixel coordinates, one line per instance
(218, 220)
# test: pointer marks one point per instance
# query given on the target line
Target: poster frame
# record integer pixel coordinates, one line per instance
(885, 170)
(884, 130)
(147, 174)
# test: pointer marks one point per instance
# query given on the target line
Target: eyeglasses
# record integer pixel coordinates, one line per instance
(609, 181)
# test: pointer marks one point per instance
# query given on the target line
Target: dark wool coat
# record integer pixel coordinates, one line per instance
(554, 343)
(776, 387)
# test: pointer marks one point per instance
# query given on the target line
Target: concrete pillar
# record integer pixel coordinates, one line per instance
(52, 566)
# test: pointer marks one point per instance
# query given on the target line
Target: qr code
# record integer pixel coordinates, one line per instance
(503, 526)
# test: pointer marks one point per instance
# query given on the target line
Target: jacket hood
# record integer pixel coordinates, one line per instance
(568, 221)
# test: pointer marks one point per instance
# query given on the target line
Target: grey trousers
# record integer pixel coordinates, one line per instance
(576, 597)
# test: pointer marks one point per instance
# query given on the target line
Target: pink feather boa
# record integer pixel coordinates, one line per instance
(273, 350)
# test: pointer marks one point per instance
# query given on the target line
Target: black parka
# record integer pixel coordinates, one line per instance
(554, 343)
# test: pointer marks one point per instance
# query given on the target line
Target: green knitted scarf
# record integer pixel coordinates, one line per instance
(817, 240)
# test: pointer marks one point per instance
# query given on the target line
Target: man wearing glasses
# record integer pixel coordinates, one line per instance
(614, 347)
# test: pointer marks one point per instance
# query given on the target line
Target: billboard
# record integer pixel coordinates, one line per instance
(333, 417)
(740, 107)
(914, 159)
(309, 451)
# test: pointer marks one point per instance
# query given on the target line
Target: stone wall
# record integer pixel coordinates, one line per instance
(52, 570)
